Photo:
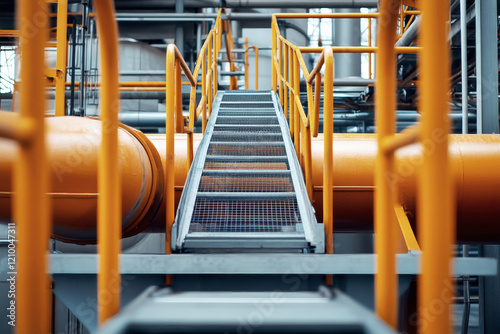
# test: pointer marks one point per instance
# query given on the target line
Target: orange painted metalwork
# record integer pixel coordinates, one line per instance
(61, 57)
(109, 185)
(31, 184)
(436, 202)
(256, 52)
(74, 192)
(385, 222)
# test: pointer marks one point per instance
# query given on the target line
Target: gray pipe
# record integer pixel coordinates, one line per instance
(160, 4)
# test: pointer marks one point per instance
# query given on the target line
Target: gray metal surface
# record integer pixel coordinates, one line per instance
(264, 264)
(245, 190)
(487, 66)
(325, 311)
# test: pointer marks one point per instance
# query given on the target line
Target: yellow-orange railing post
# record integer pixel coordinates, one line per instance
(62, 21)
(31, 177)
(204, 90)
(109, 199)
(435, 196)
(280, 71)
(170, 154)
(246, 63)
(296, 96)
(211, 44)
(285, 77)
(386, 283)
(273, 45)
(291, 104)
(328, 150)
(369, 45)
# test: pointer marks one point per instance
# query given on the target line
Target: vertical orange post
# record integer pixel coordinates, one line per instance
(256, 55)
(170, 132)
(215, 50)
(435, 196)
(204, 90)
(369, 45)
(109, 199)
(210, 51)
(62, 21)
(31, 177)
(285, 88)
(291, 107)
(246, 63)
(386, 282)
(296, 95)
(280, 71)
(273, 45)
(328, 150)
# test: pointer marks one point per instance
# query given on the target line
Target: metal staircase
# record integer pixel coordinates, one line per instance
(245, 191)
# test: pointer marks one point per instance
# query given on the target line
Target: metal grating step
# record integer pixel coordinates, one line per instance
(251, 162)
(239, 149)
(247, 105)
(247, 97)
(232, 136)
(244, 191)
(246, 181)
(247, 128)
(236, 112)
(249, 215)
(247, 120)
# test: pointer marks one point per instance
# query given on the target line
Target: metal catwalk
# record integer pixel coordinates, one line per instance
(245, 191)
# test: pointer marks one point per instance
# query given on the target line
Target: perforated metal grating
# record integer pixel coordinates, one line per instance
(248, 128)
(228, 136)
(248, 105)
(246, 183)
(248, 120)
(235, 112)
(246, 97)
(244, 150)
(227, 215)
(257, 165)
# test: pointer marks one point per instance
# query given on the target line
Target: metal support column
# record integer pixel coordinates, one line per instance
(179, 29)
(346, 32)
(487, 66)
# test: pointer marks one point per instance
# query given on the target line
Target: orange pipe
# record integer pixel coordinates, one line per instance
(72, 151)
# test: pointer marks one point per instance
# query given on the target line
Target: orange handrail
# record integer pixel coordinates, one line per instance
(175, 121)
(109, 199)
(286, 70)
(256, 51)
(31, 205)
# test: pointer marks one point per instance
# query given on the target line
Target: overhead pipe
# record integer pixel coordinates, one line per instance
(73, 144)
(163, 4)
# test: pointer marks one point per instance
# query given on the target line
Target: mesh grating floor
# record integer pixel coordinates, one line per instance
(247, 120)
(247, 106)
(279, 165)
(248, 128)
(227, 215)
(246, 183)
(232, 112)
(243, 150)
(246, 98)
(228, 136)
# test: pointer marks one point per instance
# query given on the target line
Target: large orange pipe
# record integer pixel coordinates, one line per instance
(73, 145)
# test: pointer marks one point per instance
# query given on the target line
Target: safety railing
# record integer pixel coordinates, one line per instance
(247, 73)
(31, 204)
(175, 122)
(435, 196)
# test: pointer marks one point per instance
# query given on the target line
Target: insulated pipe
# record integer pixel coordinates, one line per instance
(73, 146)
